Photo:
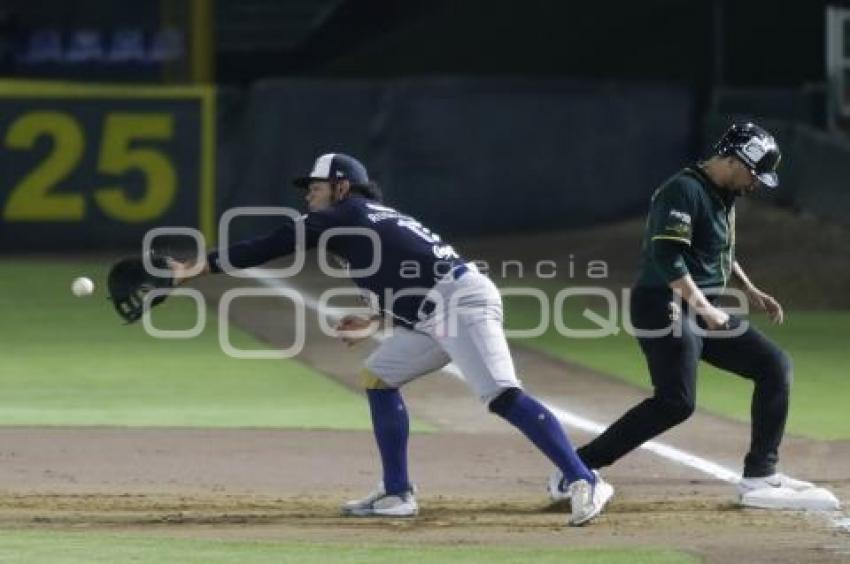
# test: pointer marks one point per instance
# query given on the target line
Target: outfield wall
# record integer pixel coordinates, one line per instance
(94, 167)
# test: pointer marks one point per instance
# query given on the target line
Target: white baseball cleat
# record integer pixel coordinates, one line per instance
(747, 485)
(779, 491)
(558, 488)
(380, 504)
(588, 500)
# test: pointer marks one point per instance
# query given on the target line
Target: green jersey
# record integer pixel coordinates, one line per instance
(690, 229)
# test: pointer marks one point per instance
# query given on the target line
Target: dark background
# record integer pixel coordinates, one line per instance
(761, 43)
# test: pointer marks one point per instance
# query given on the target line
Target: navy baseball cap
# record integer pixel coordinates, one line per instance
(335, 166)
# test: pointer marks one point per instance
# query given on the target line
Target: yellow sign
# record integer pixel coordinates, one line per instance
(139, 155)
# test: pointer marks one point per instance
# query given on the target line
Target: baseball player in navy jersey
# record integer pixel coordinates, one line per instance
(443, 310)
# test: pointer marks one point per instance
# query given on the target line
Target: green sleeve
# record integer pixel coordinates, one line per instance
(674, 208)
(672, 212)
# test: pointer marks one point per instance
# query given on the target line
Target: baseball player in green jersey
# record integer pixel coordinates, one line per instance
(687, 259)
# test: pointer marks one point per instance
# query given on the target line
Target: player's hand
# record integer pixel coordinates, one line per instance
(353, 329)
(178, 270)
(766, 303)
(715, 318)
(181, 270)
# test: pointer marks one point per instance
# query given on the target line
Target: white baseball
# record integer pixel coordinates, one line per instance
(82, 286)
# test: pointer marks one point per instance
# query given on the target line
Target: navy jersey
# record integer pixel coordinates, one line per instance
(411, 260)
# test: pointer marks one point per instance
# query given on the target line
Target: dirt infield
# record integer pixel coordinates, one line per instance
(274, 484)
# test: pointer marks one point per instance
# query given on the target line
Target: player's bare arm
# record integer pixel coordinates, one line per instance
(763, 301)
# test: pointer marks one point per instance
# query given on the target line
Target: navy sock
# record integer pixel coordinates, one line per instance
(542, 428)
(391, 426)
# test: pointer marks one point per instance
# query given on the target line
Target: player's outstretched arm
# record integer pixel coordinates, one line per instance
(242, 254)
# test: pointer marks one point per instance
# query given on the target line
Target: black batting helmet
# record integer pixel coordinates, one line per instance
(754, 147)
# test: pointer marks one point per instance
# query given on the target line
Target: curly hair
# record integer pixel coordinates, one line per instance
(370, 191)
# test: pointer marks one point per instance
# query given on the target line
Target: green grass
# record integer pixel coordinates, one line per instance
(70, 361)
(36, 547)
(816, 341)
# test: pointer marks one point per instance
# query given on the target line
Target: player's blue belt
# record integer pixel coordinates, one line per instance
(428, 306)
(459, 271)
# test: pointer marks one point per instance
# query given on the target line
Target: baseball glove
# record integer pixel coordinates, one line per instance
(129, 282)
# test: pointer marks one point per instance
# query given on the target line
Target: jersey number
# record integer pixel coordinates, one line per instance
(440, 251)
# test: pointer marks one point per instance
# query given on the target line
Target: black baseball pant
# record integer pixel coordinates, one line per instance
(672, 362)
